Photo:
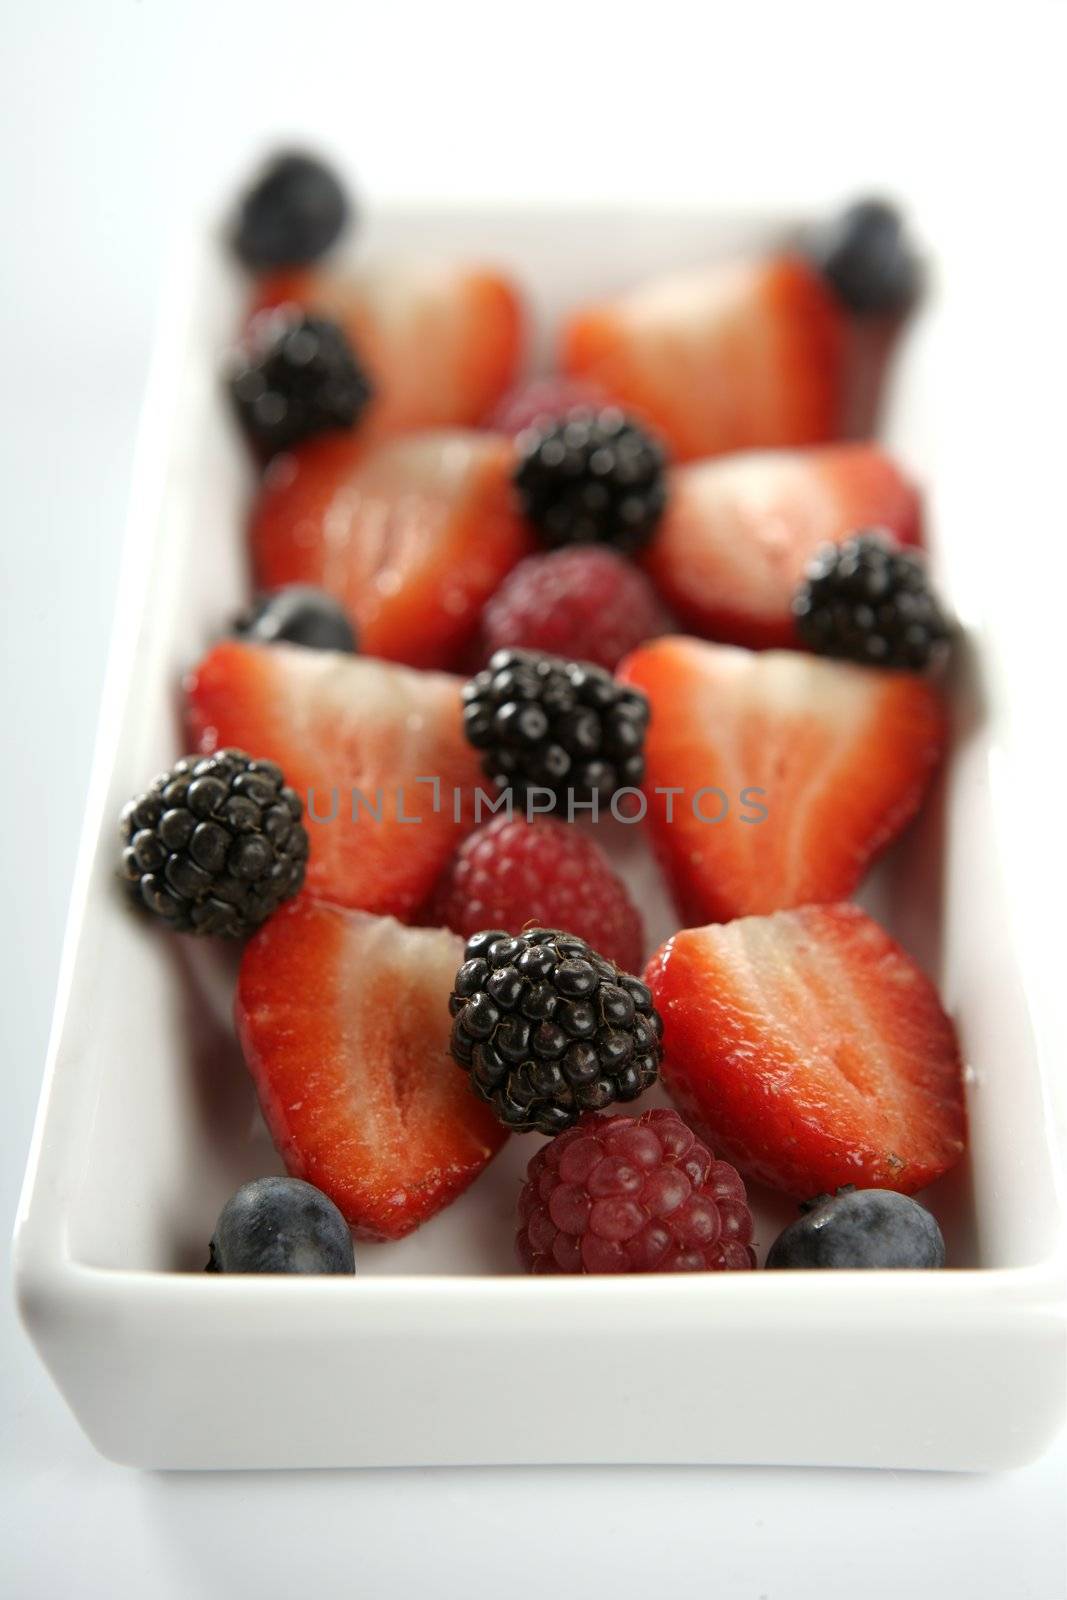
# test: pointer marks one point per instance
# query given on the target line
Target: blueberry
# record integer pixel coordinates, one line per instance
(860, 1228)
(864, 255)
(281, 1225)
(298, 614)
(291, 215)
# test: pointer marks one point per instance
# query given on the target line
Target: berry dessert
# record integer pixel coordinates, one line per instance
(547, 1028)
(864, 255)
(621, 1194)
(343, 1019)
(297, 614)
(537, 402)
(564, 728)
(281, 1225)
(369, 746)
(868, 600)
(586, 602)
(215, 845)
(591, 477)
(412, 536)
(294, 211)
(442, 342)
(736, 356)
(866, 1228)
(812, 1050)
(739, 531)
(295, 376)
(463, 576)
(829, 761)
(511, 872)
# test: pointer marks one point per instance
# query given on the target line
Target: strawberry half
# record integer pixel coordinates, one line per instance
(812, 1050)
(738, 356)
(412, 535)
(442, 343)
(337, 724)
(344, 1023)
(809, 768)
(738, 533)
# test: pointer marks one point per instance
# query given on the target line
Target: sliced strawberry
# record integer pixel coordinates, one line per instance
(738, 533)
(809, 768)
(341, 726)
(739, 356)
(344, 1023)
(442, 343)
(812, 1050)
(412, 535)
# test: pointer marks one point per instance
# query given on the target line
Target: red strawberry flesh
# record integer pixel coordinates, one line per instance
(812, 1050)
(349, 734)
(827, 761)
(343, 1019)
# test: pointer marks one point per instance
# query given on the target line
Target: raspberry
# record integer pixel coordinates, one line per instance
(622, 1194)
(512, 872)
(586, 602)
(539, 401)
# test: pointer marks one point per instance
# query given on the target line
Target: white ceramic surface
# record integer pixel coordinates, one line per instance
(440, 1351)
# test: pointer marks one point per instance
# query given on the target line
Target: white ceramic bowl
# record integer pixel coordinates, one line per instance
(440, 1351)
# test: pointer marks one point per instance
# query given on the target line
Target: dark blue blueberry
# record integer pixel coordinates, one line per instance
(281, 1225)
(291, 215)
(864, 255)
(298, 614)
(860, 1228)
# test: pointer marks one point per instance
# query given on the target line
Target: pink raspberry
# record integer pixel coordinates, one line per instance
(632, 1194)
(542, 400)
(511, 872)
(586, 602)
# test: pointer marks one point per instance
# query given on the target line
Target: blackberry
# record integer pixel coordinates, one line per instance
(296, 376)
(864, 255)
(291, 215)
(565, 726)
(297, 614)
(869, 600)
(215, 845)
(548, 1028)
(867, 1228)
(591, 477)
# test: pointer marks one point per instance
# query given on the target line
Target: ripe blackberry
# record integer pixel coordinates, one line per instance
(592, 477)
(869, 600)
(291, 215)
(565, 726)
(865, 257)
(215, 845)
(295, 376)
(622, 1194)
(548, 1028)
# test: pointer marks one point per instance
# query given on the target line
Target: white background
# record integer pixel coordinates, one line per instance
(124, 121)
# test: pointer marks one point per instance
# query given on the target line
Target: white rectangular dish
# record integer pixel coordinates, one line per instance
(440, 1351)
